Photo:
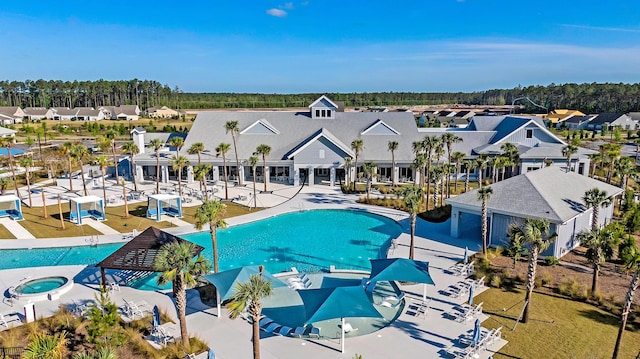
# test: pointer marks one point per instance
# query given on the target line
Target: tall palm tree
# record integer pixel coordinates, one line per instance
(420, 165)
(535, 232)
(222, 150)
(177, 142)
(492, 164)
(26, 163)
(513, 154)
(132, 150)
(8, 143)
(251, 294)
(449, 139)
(233, 128)
(200, 173)
(65, 150)
(596, 159)
(468, 166)
(594, 199)
(157, 144)
(211, 212)
(103, 162)
(612, 153)
(264, 151)
(347, 169)
(196, 149)
(175, 263)
(253, 162)
(179, 162)
(599, 244)
(47, 346)
(418, 150)
(112, 136)
(484, 194)
(356, 145)
(392, 146)
(481, 163)
(79, 152)
(625, 168)
(457, 158)
(632, 263)
(429, 145)
(412, 196)
(369, 171)
(568, 151)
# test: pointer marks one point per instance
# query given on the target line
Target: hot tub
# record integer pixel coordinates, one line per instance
(46, 288)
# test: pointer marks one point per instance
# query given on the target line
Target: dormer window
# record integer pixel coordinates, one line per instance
(323, 108)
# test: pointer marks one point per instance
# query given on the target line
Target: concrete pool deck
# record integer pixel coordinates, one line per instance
(409, 336)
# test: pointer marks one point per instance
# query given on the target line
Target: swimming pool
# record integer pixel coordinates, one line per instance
(311, 241)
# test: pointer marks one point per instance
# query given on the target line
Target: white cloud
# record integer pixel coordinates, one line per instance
(277, 12)
(603, 28)
(288, 6)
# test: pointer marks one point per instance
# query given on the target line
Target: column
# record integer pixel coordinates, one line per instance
(241, 174)
(332, 176)
(266, 175)
(296, 176)
(216, 173)
(311, 179)
(396, 174)
(139, 174)
(455, 222)
(190, 174)
(164, 174)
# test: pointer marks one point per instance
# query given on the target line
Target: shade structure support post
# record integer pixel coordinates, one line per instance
(104, 277)
(342, 336)
(424, 293)
(158, 207)
(218, 301)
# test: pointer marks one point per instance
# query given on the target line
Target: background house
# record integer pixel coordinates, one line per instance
(161, 112)
(10, 115)
(609, 120)
(38, 113)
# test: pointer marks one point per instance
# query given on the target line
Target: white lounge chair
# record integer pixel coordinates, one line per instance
(348, 328)
(5, 319)
(392, 301)
(132, 309)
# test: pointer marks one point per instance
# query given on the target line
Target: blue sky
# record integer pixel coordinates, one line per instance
(323, 46)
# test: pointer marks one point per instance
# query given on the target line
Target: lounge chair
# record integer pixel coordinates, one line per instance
(265, 321)
(392, 301)
(284, 331)
(78, 309)
(314, 333)
(272, 327)
(299, 332)
(348, 328)
(131, 309)
(162, 336)
(5, 319)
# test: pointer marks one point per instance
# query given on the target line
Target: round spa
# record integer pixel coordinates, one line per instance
(46, 288)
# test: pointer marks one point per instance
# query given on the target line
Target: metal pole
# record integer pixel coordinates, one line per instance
(342, 337)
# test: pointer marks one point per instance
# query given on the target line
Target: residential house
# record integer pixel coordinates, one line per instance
(89, 114)
(38, 113)
(161, 112)
(10, 115)
(610, 120)
(125, 112)
(559, 115)
(578, 122)
(7, 132)
(550, 193)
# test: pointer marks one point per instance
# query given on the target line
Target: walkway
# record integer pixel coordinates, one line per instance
(16, 229)
(99, 226)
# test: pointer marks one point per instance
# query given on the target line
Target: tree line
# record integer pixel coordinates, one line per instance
(586, 97)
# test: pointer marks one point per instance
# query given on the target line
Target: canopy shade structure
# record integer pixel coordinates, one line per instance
(226, 281)
(140, 253)
(87, 206)
(10, 206)
(159, 204)
(339, 302)
(400, 269)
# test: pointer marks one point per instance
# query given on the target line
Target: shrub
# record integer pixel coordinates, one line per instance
(551, 261)
(546, 278)
(537, 283)
(495, 281)
(572, 289)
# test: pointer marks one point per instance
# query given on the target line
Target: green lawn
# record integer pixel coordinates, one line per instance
(557, 328)
(50, 227)
(5, 234)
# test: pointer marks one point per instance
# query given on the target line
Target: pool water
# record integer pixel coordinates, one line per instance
(41, 285)
(311, 241)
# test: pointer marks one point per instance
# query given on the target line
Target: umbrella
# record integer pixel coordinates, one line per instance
(226, 281)
(156, 316)
(471, 290)
(476, 332)
(466, 255)
(339, 302)
(211, 354)
(401, 269)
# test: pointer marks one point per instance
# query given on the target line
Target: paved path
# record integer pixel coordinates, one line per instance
(16, 229)
(176, 222)
(99, 226)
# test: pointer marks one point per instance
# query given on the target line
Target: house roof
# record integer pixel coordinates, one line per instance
(321, 133)
(549, 193)
(36, 111)
(579, 119)
(603, 118)
(9, 111)
(85, 199)
(7, 131)
(125, 110)
(140, 253)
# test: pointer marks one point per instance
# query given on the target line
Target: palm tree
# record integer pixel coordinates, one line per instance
(429, 145)
(177, 142)
(46, 346)
(420, 165)
(347, 169)
(481, 164)
(568, 151)
(625, 167)
(250, 294)
(26, 163)
(196, 149)
(448, 139)
(222, 150)
(264, 151)
(392, 146)
(596, 159)
(535, 232)
(412, 196)
(468, 166)
(200, 174)
(103, 162)
(112, 140)
(484, 194)
(175, 263)
(253, 162)
(211, 212)
(513, 154)
(179, 162)
(369, 171)
(612, 154)
(79, 152)
(632, 263)
(65, 150)
(356, 145)
(594, 199)
(599, 244)
(233, 128)
(457, 158)
(492, 163)
(435, 173)
(132, 149)
(8, 143)
(157, 144)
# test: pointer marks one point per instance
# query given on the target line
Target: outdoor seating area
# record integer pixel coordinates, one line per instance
(465, 312)
(159, 204)
(471, 344)
(299, 282)
(11, 207)
(86, 207)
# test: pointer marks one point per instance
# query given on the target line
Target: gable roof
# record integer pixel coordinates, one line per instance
(140, 253)
(9, 111)
(550, 193)
(261, 127)
(320, 133)
(603, 118)
(379, 128)
(325, 101)
(579, 119)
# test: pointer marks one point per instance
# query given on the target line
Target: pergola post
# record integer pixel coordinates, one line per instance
(104, 277)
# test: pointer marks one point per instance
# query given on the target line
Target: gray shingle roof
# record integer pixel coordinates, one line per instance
(549, 193)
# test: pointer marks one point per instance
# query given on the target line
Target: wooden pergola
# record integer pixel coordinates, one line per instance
(140, 253)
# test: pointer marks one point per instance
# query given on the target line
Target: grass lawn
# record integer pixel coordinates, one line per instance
(5, 234)
(50, 227)
(137, 218)
(233, 210)
(557, 327)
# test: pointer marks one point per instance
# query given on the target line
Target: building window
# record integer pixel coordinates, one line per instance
(530, 133)
(328, 113)
(317, 113)
(581, 168)
(321, 153)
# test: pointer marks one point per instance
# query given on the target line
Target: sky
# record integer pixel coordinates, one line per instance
(323, 45)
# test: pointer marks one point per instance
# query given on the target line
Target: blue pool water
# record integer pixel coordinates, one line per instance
(310, 241)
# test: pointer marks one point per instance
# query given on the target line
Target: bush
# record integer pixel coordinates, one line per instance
(572, 289)
(546, 278)
(495, 281)
(551, 261)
